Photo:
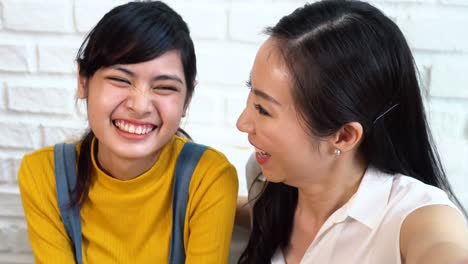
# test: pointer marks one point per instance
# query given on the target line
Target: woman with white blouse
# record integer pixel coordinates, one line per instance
(340, 134)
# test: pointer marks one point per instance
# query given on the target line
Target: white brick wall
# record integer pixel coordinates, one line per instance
(35, 16)
(54, 58)
(15, 58)
(37, 80)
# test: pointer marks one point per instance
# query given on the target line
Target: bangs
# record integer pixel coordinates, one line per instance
(125, 38)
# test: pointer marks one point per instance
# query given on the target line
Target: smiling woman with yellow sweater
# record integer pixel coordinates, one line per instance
(128, 221)
(137, 74)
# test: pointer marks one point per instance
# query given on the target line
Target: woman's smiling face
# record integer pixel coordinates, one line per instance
(135, 109)
(283, 146)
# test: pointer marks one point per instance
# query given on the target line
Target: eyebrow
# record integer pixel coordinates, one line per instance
(265, 96)
(163, 77)
(261, 93)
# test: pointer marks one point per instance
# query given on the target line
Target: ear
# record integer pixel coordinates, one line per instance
(348, 137)
(82, 92)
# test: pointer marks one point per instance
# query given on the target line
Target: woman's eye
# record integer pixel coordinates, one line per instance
(248, 83)
(261, 110)
(165, 88)
(119, 80)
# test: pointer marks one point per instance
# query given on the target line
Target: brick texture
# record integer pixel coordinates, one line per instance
(57, 59)
(19, 136)
(37, 83)
(35, 16)
(14, 58)
(43, 100)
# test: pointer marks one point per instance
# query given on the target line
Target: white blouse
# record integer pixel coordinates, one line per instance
(366, 230)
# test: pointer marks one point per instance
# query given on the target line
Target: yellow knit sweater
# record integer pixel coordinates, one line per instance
(130, 221)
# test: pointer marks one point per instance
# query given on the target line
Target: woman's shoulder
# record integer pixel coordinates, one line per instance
(213, 165)
(36, 172)
(415, 191)
(396, 195)
(409, 194)
(211, 155)
(39, 156)
(38, 163)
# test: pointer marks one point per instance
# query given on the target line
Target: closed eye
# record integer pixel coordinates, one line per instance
(261, 110)
(166, 88)
(119, 80)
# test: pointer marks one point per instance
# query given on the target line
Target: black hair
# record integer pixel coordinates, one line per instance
(349, 63)
(131, 33)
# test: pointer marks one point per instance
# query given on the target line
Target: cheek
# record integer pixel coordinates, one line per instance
(170, 108)
(103, 99)
(292, 144)
(275, 133)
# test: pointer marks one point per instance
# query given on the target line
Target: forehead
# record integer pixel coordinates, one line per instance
(270, 73)
(169, 62)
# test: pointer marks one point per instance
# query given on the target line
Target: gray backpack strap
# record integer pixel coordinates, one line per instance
(186, 163)
(65, 178)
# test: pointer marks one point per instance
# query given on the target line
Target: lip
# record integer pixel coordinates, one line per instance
(261, 159)
(135, 122)
(134, 136)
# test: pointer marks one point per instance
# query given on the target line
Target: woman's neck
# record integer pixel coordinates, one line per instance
(317, 201)
(123, 168)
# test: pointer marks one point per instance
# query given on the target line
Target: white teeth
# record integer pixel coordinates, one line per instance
(138, 130)
(133, 129)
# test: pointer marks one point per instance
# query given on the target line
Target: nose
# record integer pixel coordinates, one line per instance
(139, 102)
(245, 123)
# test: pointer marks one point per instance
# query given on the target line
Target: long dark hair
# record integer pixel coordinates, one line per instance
(350, 63)
(131, 33)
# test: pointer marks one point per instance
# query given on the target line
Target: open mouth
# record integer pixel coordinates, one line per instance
(262, 156)
(260, 151)
(132, 128)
